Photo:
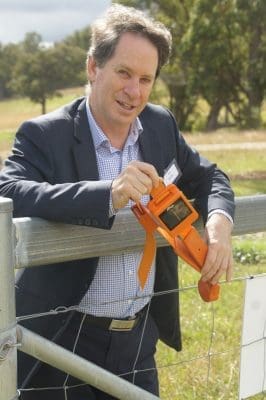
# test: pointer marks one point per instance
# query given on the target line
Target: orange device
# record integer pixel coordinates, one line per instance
(171, 214)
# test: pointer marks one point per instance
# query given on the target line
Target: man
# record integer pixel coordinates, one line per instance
(80, 165)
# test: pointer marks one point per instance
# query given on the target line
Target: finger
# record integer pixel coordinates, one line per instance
(135, 195)
(137, 178)
(212, 274)
(229, 272)
(210, 265)
(136, 185)
(142, 183)
(148, 170)
(215, 264)
(223, 263)
(223, 268)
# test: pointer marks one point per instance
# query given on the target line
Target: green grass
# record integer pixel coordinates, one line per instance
(6, 139)
(255, 242)
(239, 161)
(248, 187)
(207, 328)
(240, 165)
(210, 328)
(14, 111)
(229, 135)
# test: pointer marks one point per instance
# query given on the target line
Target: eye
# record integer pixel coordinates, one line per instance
(123, 73)
(146, 80)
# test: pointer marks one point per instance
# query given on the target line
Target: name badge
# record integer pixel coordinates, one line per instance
(172, 173)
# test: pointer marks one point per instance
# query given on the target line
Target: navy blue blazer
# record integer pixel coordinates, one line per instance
(52, 173)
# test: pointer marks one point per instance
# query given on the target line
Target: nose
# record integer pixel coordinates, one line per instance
(132, 88)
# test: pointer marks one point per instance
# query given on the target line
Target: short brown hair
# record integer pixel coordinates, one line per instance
(118, 19)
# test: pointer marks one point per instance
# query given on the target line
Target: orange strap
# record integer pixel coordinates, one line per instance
(191, 249)
(150, 243)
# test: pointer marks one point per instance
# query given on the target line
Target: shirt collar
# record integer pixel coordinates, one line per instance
(101, 140)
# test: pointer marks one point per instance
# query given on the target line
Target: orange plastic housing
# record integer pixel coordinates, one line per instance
(167, 200)
(172, 215)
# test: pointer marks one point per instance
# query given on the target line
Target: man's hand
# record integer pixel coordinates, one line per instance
(136, 180)
(219, 258)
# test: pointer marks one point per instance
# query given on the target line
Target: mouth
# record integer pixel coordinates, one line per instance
(125, 106)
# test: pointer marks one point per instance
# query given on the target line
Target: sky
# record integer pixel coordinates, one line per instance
(52, 19)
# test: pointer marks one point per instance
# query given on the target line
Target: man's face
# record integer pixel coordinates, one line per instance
(121, 88)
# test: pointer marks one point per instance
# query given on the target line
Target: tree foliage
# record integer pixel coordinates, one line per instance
(79, 39)
(218, 55)
(39, 73)
(252, 17)
(213, 43)
(9, 56)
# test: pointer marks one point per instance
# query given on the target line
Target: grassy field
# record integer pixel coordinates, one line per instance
(246, 168)
(207, 328)
(208, 366)
(14, 111)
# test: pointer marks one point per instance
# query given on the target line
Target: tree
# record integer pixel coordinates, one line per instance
(40, 74)
(214, 46)
(79, 39)
(31, 42)
(252, 18)
(219, 54)
(9, 55)
(71, 63)
(36, 76)
(176, 75)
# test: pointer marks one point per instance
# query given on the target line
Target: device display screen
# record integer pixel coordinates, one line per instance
(175, 214)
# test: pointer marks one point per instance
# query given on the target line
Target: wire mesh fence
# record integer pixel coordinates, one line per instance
(208, 365)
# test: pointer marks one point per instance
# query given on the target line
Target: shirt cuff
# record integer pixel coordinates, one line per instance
(112, 210)
(220, 211)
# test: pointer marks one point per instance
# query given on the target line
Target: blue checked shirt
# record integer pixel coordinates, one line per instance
(115, 286)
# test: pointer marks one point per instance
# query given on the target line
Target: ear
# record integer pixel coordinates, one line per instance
(91, 68)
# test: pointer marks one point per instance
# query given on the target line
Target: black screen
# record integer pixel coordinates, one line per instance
(175, 214)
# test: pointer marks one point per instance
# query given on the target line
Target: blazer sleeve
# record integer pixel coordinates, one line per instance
(30, 179)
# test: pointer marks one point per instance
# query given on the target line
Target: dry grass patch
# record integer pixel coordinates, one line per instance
(225, 136)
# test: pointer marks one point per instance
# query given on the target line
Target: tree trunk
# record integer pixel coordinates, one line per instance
(2, 92)
(181, 104)
(255, 91)
(212, 120)
(43, 104)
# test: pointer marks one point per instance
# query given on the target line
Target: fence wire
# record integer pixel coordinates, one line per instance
(211, 332)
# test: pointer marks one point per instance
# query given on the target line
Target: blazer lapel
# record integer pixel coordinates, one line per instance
(83, 150)
(150, 146)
